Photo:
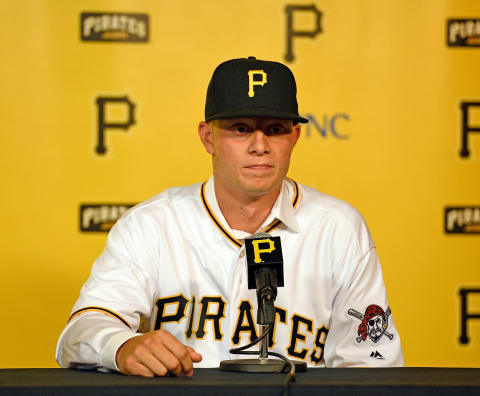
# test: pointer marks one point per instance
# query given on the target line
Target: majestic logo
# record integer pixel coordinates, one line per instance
(252, 82)
(462, 220)
(376, 355)
(103, 123)
(466, 127)
(108, 26)
(292, 31)
(101, 217)
(374, 323)
(463, 32)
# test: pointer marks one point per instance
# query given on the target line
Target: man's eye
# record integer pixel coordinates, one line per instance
(277, 130)
(240, 128)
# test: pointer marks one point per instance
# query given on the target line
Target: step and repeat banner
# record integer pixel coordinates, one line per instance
(100, 102)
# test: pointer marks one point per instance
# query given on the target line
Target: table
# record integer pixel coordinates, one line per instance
(321, 381)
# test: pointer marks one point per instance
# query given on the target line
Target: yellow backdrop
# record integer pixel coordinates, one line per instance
(378, 79)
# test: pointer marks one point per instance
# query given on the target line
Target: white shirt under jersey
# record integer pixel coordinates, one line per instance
(174, 263)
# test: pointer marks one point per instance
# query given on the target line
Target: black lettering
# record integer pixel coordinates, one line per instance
(103, 124)
(215, 317)
(244, 314)
(466, 128)
(465, 316)
(291, 32)
(188, 333)
(317, 354)
(296, 335)
(162, 303)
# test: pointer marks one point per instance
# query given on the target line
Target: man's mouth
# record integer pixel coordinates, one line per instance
(259, 166)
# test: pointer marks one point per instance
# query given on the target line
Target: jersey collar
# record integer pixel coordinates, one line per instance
(283, 211)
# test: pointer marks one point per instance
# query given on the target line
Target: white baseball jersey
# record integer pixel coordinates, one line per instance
(174, 263)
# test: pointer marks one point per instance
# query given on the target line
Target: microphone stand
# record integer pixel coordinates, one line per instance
(263, 343)
(266, 294)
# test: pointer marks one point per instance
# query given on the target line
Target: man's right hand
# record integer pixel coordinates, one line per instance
(156, 353)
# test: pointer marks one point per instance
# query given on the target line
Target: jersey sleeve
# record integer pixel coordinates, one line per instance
(119, 290)
(362, 329)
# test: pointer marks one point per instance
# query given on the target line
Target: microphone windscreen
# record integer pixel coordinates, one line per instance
(263, 250)
(259, 235)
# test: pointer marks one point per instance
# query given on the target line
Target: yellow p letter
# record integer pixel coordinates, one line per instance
(252, 82)
(257, 250)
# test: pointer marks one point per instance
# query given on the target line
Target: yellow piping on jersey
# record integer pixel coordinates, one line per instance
(296, 196)
(295, 201)
(229, 236)
(104, 311)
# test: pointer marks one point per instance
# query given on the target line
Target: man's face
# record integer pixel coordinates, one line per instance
(250, 155)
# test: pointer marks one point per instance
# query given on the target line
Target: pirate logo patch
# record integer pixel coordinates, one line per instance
(374, 323)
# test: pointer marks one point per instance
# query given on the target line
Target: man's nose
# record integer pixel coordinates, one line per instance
(259, 143)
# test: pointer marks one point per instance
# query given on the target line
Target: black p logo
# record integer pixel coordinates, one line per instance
(104, 124)
(465, 315)
(466, 128)
(292, 32)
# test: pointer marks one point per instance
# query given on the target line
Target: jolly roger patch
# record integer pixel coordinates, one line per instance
(374, 323)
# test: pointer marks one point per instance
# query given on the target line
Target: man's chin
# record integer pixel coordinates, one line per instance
(260, 186)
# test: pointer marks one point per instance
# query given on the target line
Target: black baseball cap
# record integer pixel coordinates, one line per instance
(249, 87)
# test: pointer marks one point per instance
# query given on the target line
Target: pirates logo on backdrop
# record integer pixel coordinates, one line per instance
(465, 220)
(465, 314)
(103, 123)
(463, 32)
(110, 27)
(462, 220)
(468, 109)
(101, 217)
(293, 32)
(325, 124)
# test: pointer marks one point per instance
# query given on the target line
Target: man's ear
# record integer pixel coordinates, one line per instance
(296, 129)
(205, 131)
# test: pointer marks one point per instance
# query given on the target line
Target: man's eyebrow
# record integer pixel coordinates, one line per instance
(280, 124)
(236, 123)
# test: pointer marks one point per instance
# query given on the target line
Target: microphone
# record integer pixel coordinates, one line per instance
(265, 272)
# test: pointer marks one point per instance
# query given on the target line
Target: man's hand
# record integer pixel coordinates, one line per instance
(156, 353)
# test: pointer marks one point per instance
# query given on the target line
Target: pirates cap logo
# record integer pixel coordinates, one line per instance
(374, 323)
(252, 82)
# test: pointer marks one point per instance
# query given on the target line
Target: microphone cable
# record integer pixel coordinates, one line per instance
(290, 377)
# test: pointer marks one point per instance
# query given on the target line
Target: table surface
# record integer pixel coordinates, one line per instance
(365, 381)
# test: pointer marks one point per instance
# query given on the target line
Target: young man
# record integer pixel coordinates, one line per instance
(170, 289)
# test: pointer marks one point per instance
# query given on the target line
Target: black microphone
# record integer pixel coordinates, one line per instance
(265, 272)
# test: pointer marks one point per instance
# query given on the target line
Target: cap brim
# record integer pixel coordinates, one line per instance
(258, 112)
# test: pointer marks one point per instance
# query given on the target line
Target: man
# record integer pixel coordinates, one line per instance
(170, 289)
